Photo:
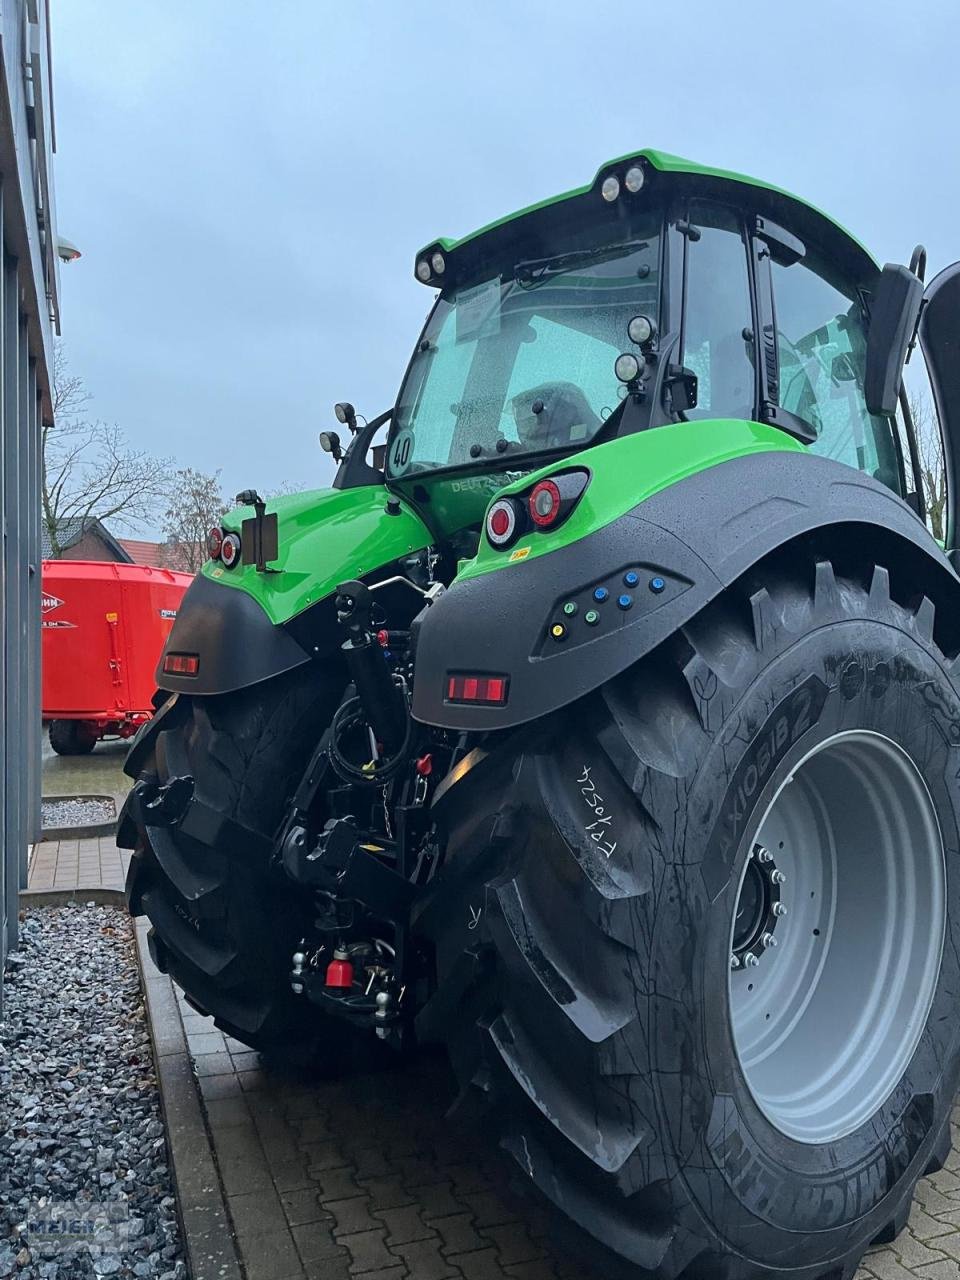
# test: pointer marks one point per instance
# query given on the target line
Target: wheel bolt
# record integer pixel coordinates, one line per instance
(764, 855)
(768, 940)
(734, 962)
(777, 877)
(750, 960)
(779, 909)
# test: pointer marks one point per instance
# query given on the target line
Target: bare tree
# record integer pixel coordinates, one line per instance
(933, 471)
(89, 468)
(195, 504)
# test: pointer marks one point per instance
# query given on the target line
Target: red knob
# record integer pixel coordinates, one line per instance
(339, 974)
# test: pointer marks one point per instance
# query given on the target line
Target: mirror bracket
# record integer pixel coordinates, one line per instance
(894, 316)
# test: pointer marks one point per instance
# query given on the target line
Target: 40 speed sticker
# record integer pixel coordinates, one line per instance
(401, 452)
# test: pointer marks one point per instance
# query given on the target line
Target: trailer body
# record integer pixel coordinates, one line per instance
(104, 626)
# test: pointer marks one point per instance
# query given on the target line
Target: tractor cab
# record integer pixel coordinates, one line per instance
(662, 293)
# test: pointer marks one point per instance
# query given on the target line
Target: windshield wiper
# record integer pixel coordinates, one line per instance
(533, 272)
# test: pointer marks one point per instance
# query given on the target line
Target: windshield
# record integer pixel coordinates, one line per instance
(522, 362)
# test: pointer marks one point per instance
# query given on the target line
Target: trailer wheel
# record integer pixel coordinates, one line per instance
(698, 936)
(225, 925)
(72, 737)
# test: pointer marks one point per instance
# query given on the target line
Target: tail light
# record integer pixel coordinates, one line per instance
(181, 664)
(230, 550)
(214, 542)
(478, 689)
(544, 504)
(504, 522)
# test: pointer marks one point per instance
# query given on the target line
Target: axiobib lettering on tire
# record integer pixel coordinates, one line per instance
(786, 724)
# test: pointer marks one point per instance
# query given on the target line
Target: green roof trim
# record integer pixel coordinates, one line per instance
(662, 161)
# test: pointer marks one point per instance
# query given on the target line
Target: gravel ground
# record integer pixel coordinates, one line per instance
(90, 812)
(84, 1184)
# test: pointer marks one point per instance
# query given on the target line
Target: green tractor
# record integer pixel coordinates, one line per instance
(601, 723)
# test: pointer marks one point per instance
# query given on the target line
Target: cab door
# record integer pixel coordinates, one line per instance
(940, 342)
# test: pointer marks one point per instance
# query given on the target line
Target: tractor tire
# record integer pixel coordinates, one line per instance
(72, 737)
(225, 923)
(777, 781)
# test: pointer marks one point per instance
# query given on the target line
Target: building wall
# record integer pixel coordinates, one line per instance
(28, 319)
(90, 547)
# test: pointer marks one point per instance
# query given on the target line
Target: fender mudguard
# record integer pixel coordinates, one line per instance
(667, 558)
(246, 627)
(235, 641)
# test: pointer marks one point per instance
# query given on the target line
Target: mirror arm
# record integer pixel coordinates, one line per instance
(911, 433)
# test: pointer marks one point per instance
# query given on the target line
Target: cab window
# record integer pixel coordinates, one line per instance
(821, 333)
(718, 339)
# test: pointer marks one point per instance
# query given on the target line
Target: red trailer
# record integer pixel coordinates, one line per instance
(104, 626)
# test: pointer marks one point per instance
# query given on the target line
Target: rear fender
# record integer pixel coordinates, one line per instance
(686, 544)
(246, 627)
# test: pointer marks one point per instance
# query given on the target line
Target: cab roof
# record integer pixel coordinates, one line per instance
(669, 175)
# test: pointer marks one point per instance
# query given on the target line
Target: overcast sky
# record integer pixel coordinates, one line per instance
(248, 183)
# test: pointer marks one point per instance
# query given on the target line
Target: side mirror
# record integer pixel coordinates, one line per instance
(330, 443)
(894, 311)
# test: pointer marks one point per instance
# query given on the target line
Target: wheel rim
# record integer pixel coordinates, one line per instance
(837, 935)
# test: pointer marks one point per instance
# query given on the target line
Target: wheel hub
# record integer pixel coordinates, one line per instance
(759, 909)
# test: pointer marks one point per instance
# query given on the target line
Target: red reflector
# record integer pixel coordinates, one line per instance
(230, 550)
(181, 664)
(500, 522)
(489, 690)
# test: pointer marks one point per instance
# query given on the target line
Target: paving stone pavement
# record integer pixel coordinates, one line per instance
(92, 863)
(364, 1179)
(361, 1177)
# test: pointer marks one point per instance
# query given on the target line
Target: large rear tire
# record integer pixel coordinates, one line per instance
(225, 923)
(689, 1109)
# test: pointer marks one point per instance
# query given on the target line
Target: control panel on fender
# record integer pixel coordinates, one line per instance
(607, 604)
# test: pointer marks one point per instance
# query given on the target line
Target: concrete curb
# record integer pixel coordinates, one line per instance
(207, 1234)
(64, 897)
(79, 833)
(93, 831)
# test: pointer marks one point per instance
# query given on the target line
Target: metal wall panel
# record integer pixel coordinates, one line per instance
(14, 710)
(28, 317)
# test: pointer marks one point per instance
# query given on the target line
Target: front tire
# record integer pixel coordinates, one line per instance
(593, 905)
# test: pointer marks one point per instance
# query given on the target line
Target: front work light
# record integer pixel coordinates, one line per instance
(610, 189)
(641, 330)
(633, 179)
(627, 367)
(438, 263)
(423, 270)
